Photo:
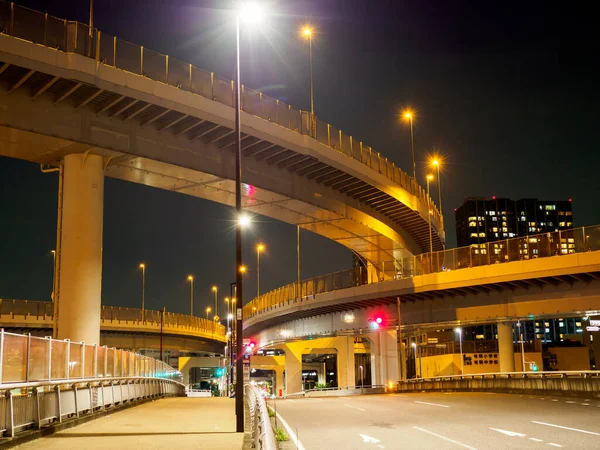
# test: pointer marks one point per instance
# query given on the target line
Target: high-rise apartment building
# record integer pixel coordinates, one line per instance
(480, 220)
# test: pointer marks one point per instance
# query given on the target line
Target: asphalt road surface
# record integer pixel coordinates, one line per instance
(475, 421)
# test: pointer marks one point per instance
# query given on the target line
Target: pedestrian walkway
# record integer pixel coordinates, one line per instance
(181, 423)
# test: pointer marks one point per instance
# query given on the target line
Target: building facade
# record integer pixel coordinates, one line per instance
(480, 220)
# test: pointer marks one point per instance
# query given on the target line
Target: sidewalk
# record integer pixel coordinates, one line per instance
(182, 423)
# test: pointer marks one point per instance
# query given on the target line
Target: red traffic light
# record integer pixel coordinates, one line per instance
(379, 320)
(252, 344)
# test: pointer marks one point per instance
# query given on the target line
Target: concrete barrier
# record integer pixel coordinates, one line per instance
(571, 384)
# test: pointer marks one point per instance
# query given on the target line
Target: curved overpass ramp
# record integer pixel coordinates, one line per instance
(164, 123)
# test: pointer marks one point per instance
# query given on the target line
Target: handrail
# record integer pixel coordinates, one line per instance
(506, 375)
(543, 245)
(72, 36)
(262, 432)
(114, 314)
(26, 359)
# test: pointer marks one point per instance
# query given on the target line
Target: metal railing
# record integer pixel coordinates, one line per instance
(75, 37)
(44, 311)
(573, 383)
(43, 380)
(575, 240)
(340, 390)
(262, 432)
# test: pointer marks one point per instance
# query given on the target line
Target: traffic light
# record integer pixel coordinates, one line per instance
(250, 347)
(220, 371)
(375, 322)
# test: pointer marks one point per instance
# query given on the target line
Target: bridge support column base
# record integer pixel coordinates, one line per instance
(506, 348)
(384, 357)
(78, 303)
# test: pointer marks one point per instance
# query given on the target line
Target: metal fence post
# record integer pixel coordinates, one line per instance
(68, 359)
(95, 374)
(1, 352)
(28, 355)
(49, 358)
(141, 60)
(115, 51)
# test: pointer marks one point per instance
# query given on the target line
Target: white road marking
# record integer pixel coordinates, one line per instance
(380, 446)
(585, 404)
(565, 428)
(554, 400)
(369, 439)
(508, 433)
(432, 404)
(570, 403)
(290, 433)
(355, 407)
(535, 439)
(554, 445)
(445, 438)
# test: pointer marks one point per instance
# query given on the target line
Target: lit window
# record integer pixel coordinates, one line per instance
(535, 251)
(577, 324)
(523, 219)
(569, 224)
(495, 234)
(561, 324)
(547, 330)
(511, 234)
(541, 207)
(494, 219)
(569, 213)
(483, 245)
(532, 224)
(481, 234)
(550, 207)
(473, 234)
(492, 213)
(542, 223)
(550, 224)
(503, 224)
(561, 224)
(570, 240)
(546, 324)
(504, 229)
(533, 240)
(495, 229)
(472, 224)
(472, 218)
(537, 324)
(484, 252)
(476, 252)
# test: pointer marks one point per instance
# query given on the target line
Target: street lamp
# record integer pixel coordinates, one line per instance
(436, 162)
(53, 273)
(259, 248)
(207, 311)
(458, 330)
(307, 32)
(362, 379)
(429, 178)
(409, 115)
(414, 346)
(191, 280)
(249, 12)
(143, 267)
(215, 289)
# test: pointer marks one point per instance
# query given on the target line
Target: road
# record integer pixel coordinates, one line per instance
(475, 421)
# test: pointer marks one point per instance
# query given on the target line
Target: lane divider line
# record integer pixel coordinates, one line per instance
(445, 438)
(565, 428)
(432, 404)
(355, 407)
(290, 433)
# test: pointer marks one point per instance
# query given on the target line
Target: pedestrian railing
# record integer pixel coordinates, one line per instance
(76, 37)
(45, 380)
(339, 391)
(557, 243)
(579, 383)
(114, 317)
(262, 432)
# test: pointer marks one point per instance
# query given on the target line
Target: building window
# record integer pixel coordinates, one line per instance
(561, 224)
(473, 234)
(472, 218)
(550, 207)
(472, 224)
(482, 235)
(569, 224)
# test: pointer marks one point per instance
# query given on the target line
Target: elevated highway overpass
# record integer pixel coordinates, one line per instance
(123, 327)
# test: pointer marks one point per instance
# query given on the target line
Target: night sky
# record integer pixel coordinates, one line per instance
(505, 91)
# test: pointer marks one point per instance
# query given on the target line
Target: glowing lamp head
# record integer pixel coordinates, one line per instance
(243, 269)
(142, 266)
(260, 247)
(209, 309)
(244, 220)
(306, 31)
(214, 289)
(429, 177)
(251, 12)
(190, 278)
(435, 162)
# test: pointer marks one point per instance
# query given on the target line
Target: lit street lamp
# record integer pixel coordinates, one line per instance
(416, 349)
(215, 289)
(408, 115)
(458, 331)
(259, 248)
(307, 33)
(191, 280)
(250, 13)
(429, 178)
(143, 267)
(362, 379)
(436, 162)
(207, 311)
(53, 274)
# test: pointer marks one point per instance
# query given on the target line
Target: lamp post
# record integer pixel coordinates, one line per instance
(249, 12)
(362, 379)
(215, 289)
(416, 349)
(458, 330)
(429, 178)
(143, 267)
(191, 280)
(408, 115)
(208, 309)
(53, 274)
(307, 33)
(436, 162)
(259, 248)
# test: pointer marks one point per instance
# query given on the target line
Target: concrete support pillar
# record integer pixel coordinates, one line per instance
(506, 349)
(293, 369)
(384, 357)
(80, 284)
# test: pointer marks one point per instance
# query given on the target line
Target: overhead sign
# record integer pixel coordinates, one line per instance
(593, 326)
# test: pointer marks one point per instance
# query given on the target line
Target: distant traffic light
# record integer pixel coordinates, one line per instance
(375, 322)
(220, 371)
(250, 347)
